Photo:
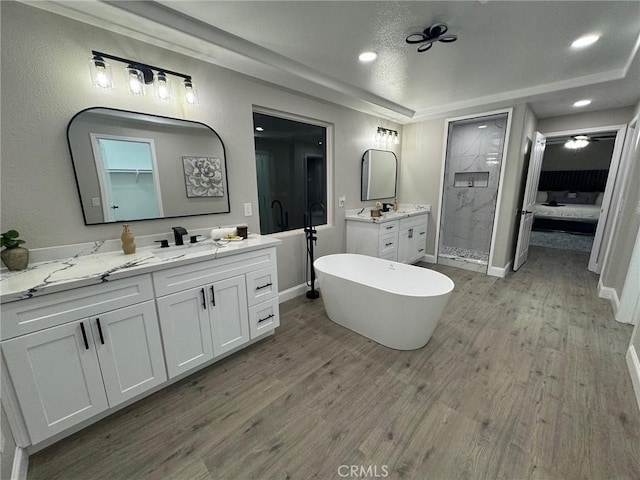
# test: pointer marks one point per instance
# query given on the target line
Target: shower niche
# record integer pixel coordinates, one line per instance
(474, 154)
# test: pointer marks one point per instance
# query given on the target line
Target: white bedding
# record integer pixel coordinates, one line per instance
(574, 212)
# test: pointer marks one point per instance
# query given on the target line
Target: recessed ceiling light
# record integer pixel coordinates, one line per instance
(259, 129)
(585, 41)
(582, 103)
(368, 56)
(482, 126)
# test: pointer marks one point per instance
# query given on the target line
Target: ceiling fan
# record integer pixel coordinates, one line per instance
(435, 33)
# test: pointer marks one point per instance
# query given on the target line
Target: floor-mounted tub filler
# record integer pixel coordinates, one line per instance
(394, 304)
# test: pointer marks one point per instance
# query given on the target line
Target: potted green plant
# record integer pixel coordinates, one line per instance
(13, 256)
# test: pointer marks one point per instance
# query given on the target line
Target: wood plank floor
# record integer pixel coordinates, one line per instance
(524, 377)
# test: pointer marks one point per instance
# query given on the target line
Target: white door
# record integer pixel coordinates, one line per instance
(186, 330)
(56, 377)
(129, 350)
(531, 190)
(229, 314)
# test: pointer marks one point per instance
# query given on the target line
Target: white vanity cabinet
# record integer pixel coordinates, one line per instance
(210, 308)
(412, 239)
(373, 239)
(401, 240)
(83, 365)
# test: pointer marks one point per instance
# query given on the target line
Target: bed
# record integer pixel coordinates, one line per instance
(569, 200)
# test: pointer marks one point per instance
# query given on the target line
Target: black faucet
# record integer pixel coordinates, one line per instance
(178, 232)
(283, 223)
(387, 206)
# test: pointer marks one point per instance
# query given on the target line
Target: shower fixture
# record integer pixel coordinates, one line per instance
(435, 33)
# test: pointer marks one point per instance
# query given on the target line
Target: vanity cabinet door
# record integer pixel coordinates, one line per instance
(406, 245)
(186, 329)
(129, 350)
(229, 314)
(57, 378)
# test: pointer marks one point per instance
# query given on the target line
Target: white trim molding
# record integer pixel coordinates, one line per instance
(428, 258)
(293, 292)
(610, 294)
(500, 271)
(634, 370)
(20, 464)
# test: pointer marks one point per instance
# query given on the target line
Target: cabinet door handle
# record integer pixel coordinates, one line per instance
(213, 296)
(204, 300)
(266, 318)
(100, 331)
(264, 286)
(84, 336)
(411, 233)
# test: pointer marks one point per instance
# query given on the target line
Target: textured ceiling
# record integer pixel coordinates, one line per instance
(506, 51)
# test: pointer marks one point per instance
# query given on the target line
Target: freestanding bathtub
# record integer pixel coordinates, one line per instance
(394, 304)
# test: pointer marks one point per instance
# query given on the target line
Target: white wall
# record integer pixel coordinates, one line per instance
(595, 156)
(45, 81)
(578, 121)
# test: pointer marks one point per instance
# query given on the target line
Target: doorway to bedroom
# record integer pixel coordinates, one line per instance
(573, 179)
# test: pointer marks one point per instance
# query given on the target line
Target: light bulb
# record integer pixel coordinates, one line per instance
(190, 94)
(100, 73)
(396, 139)
(162, 86)
(135, 81)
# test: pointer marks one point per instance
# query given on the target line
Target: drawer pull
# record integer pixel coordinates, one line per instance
(423, 233)
(266, 318)
(100, 331)
(264, 286)
(388, 244)
(213, 297)
(421, 250)
(204, 301)
(389, 227)
(84, 336)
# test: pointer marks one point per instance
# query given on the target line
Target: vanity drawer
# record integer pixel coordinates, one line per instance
(387, 245)
(38, 313)
(388, 227)
(194, 275)
(262, 285)
(264, 317)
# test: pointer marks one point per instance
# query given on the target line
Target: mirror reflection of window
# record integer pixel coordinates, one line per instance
(127, 174)
(291, 168)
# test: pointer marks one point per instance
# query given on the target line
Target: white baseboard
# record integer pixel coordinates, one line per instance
(610, 294)
(499, 271)
(292, 292)
(429, 258)
(20, 464)
(634, 369)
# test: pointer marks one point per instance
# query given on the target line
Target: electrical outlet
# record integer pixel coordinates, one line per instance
(341, 201)
(248, 211)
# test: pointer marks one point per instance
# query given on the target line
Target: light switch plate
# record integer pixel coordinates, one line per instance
(341, 201)
(248, 211)
(95, 202)
(638, 208)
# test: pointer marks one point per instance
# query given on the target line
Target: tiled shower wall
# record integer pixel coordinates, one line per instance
(467, 217)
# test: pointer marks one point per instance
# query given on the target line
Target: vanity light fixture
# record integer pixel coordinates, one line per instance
(138, 76)
(386, 136)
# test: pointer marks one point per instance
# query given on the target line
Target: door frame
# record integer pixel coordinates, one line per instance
(598, 245)
(103, 175)
(505, 150)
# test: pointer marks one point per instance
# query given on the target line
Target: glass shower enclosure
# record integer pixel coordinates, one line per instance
(470, 190)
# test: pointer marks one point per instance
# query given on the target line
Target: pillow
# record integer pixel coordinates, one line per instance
(541, 197)
(589, 198)
(599, 198)
(558, 197)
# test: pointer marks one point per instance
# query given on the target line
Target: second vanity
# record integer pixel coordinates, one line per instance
(85, 336)
(399, 236)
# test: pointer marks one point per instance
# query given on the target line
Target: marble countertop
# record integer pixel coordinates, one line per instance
(404, 211)
(90, 266)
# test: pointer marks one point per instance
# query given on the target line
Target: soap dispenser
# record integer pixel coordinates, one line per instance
(395, 205)
(128, 245)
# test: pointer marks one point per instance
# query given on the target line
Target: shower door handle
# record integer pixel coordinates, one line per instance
(526, 212)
